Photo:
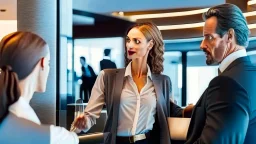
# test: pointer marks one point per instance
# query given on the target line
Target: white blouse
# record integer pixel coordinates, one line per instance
(137, 110)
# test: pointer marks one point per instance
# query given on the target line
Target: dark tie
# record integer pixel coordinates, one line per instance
(219, 72)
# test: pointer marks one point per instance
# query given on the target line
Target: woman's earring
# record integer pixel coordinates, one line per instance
(42, 68)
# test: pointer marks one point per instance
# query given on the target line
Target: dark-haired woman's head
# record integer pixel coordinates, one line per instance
(28, 56)
(24, 68)
(144, 40)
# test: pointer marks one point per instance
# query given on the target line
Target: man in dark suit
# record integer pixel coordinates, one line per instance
(226, 112)
(106, 63)
(88, 78)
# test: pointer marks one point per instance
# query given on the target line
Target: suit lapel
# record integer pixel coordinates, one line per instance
(245, 59)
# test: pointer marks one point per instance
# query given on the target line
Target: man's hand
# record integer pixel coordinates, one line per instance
(187, 112)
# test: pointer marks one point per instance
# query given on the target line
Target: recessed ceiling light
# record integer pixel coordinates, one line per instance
(121, 13)
(251, 2)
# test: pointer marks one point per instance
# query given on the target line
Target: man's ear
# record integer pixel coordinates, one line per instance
(231, 34)
(42, 62)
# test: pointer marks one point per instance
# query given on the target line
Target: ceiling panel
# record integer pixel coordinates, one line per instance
(108, 6)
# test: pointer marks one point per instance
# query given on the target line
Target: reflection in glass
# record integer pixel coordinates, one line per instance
(173, 69)
(93, 51)
(198, 75)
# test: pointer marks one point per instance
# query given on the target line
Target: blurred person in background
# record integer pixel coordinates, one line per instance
(106, 63)
(88, 78)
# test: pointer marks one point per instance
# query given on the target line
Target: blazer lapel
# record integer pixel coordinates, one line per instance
(157, 86)
(119, 80)
(159, 93)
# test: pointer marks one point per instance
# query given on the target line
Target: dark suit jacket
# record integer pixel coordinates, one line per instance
(88, 82)
(113, 81)
(107, 64)
(90, 69)
(226, 112)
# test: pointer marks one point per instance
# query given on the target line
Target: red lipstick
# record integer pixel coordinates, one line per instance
(131, 52)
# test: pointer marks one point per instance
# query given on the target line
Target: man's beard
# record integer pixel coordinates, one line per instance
(209, 59)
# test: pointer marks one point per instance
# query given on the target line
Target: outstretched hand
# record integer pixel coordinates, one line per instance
(80, 122)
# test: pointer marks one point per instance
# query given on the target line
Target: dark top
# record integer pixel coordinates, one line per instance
(107, 64)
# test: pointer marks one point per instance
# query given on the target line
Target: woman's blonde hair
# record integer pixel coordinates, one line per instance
(155, 57)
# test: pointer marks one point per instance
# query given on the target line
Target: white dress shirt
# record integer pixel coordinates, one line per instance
(137, 110)
(230, 58)
(58, 135)
(106, 57)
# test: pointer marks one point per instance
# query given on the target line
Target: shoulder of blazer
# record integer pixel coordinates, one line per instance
(113, 71)
(161, 77)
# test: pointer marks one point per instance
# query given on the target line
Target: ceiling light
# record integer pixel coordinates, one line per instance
(121, 13)
(171, 14)
(181, 26)
(176, 14)
(193, 25)
(251, 2)
(252, 26)
(201, 24)
(248, 14)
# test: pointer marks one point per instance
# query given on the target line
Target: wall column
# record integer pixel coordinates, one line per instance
(40, 17)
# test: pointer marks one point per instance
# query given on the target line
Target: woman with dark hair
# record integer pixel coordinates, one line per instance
(24, 69)
(137, 97)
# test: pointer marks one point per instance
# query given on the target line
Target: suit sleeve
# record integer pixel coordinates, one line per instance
(114, 64)
(92, 72)
(82, 69)
(227, 108)
(101, 68)
(175, 110)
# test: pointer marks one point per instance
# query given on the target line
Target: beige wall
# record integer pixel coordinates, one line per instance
(7, 26)
(8, 19)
